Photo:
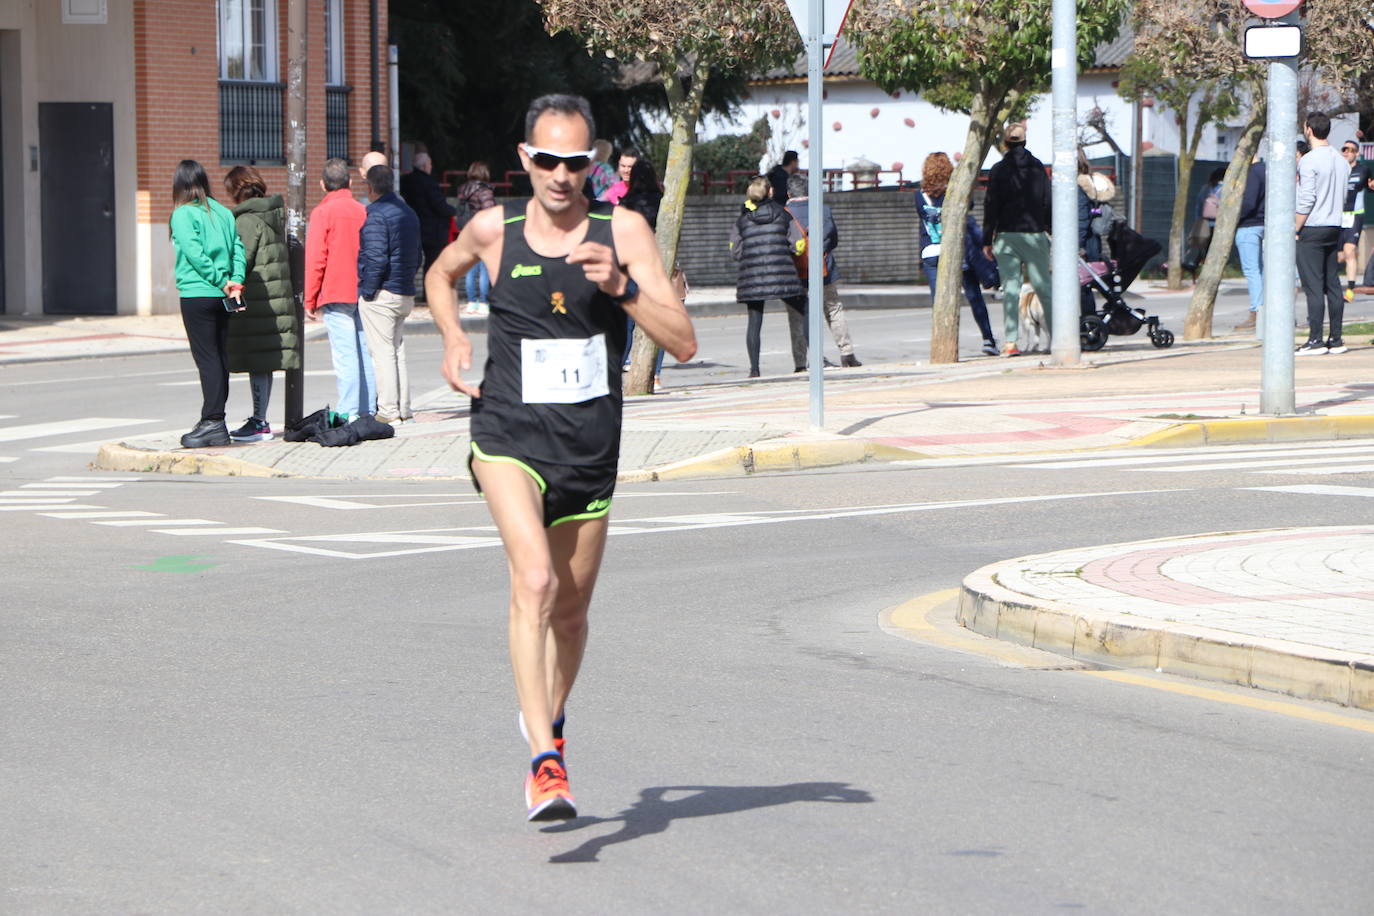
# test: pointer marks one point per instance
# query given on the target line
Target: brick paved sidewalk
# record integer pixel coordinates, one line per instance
(1288, 609)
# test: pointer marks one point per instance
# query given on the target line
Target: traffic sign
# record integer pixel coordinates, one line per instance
(1272, 9)
(833, 12)
(1268, 42)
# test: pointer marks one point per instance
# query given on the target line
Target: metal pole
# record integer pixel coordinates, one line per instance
(1280, 205)
(1138, 171)
(374, 75)
(1065, 349)
(815, 58)
(394, 109)
(297, 86)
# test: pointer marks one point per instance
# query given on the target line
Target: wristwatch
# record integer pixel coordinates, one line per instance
(631, 290)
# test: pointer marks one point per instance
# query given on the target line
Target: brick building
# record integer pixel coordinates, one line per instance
(99, 100)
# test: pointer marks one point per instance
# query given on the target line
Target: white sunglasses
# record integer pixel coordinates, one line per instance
(548, 159)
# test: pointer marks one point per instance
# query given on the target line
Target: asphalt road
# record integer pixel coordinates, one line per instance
(307, 707)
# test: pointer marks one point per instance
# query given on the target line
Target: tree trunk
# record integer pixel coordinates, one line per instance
(1198, 323)
(684, 109)
(1178, 224)
(949, 276)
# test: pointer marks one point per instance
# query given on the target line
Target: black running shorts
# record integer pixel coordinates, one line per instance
(1351, 236)
(571, 492)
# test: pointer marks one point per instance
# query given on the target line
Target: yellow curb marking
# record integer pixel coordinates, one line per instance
(1293, 710)
(913, 617)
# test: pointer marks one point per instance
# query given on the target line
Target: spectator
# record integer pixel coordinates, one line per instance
(209, 278)
(644, 196)
(1322, 176)
(331, 289)
(799, 206)
(759, 241)
(265, 337)
(475, 195)
(1250, 241)
(626, 162)
(601, 176)
(930, 201)
(1016, 216)
(1095, 218)
(1205, 209)
(778, 175)
(424, 196)
(389, 252)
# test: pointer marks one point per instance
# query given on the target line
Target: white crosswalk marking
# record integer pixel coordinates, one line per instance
(65, 427)
(215, 532)
(61, 483)
(49, 504)
(99, 513)
(6, 459)
(1297, 459)
(93, 445)
(45, 494)
(146, 522)
(1319, 489)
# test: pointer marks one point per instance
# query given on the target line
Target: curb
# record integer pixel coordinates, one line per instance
(114, 456)
(1124, 641)
(1275, 429)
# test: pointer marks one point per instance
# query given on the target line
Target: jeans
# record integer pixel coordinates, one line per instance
(207, 331)
(353, 377)
(972, 292)
(477, 280)
(1250, 247)
(1031, 250)
(384, 325)
(630, 343)
(1316, 257)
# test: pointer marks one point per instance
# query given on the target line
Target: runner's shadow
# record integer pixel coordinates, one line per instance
(654, 812)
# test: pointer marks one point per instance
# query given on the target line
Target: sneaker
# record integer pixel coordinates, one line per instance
(470, 310)
(483, 309)
(1335, 345)
(547, 794)
(206, 434)
(1312, 348)
(1349, 294)
(989, 348)
(850, 361)
(252, 430)
(558, 743)
(390, 418)
(1011, 350)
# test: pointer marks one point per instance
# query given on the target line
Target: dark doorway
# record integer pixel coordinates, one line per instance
(76, 150)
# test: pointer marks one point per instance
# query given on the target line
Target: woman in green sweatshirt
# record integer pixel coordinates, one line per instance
(209, 277)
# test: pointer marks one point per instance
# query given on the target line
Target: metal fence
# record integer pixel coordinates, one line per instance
(250, 122)
(336, 121)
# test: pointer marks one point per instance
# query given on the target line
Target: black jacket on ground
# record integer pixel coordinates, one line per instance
(766, 268)
(1252, 204)
(389, 254)
(422, 193)
(1018, 198)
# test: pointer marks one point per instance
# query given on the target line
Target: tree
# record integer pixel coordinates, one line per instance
(984, 58)
(685, 41)
(1203, 39)
(1169, 67)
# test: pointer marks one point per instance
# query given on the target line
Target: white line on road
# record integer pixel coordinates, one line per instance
(63, 427)
(1283, 464)
(45, 494)
(62, 483)
(349, 501)
(99, 514)
(1343, 469)
(1318, 489)
(35, 499)
(91, 445)
(215, 532)
(46, 504)
(115, 480)
(160, 521)
(1217, 454)
(5, 459)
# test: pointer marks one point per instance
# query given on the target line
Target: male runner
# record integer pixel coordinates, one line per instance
(546, 419)
(1352, 216)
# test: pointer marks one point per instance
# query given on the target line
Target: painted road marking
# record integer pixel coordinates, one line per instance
(1282, 465)
(100, 514)
(113, 481)
(74, 448)
(353, 501)
(660, 525)
(58, 483)
(214, 532)
(1216, 453)
(159, 521)
(1318, 489)
(919, 620)
(47, 493)
(45, 505)
(63, 427)
(1344, 469)
(176, 563)
(5, 459)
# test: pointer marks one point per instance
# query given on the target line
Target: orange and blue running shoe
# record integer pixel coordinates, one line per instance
(546, 791)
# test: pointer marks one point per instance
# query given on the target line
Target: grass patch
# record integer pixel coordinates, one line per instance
(1349, 329)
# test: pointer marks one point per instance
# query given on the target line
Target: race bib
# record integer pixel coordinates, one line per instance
(1348, 220)
(563, 371)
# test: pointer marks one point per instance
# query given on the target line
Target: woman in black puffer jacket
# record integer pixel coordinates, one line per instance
(760, 243)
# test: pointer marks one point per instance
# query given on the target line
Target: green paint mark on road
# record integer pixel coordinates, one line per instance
(176, 563)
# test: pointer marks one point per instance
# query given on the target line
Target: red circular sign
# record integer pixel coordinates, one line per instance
(1272, 9)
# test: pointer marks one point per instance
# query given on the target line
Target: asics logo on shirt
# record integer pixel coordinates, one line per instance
(522, 270)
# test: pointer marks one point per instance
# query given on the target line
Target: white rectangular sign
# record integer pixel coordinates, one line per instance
(1264, 42)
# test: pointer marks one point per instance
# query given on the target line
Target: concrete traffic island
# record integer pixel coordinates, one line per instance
(1287, 609)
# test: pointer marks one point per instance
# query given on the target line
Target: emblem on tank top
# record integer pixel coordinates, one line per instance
(556, 300)
(526, 270)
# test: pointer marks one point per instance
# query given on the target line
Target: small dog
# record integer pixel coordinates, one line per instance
(1034, 334)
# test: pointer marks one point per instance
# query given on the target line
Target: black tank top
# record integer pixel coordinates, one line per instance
(534, 297)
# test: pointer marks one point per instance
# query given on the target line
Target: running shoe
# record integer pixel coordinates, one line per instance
(1335, 345)
(1349, 294)
(547, 794)
(1011, 350)
(1312, 348)
(558, 743)
(252, 430)
(989, 347)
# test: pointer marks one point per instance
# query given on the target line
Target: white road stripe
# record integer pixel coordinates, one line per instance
(160, 521)
(91, 445)
(34, 500)
(1343, 469)
(206, 532)
(44, 494)
(65, 482)
(1284, 464)
(115, 480)
(5, 459)
(1318, 489)
(64, 427)
(99, 514)
(1225, 455)
(46, 504)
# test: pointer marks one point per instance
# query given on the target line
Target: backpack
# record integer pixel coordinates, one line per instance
(800, 256)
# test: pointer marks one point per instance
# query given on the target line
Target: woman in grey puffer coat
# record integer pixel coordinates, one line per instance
(760, 243)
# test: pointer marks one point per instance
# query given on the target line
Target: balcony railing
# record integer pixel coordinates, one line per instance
(336, 120)
(250, 122)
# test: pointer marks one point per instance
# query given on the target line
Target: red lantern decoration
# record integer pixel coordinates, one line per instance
(776, 113)
(908, 122)
(873, 113)
(896, 166)
(958, 156)
(837, 125)
(806, 144)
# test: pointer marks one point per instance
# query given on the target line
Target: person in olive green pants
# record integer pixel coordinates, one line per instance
(1016, 216)
(1014, 250)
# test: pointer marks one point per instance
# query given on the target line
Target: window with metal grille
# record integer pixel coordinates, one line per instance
(336, 92)
(250, 97)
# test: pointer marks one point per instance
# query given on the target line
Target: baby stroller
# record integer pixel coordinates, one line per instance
(1130, 253)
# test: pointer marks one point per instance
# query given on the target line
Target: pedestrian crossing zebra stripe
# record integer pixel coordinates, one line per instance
(1319, 489)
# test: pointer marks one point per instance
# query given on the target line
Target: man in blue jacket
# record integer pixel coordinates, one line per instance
(388, 257)
(799, 206)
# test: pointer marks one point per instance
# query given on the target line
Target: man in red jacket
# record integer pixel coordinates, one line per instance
(331, 289)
